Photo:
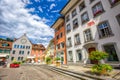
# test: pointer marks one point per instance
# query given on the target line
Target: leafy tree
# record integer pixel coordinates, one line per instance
(9, 39)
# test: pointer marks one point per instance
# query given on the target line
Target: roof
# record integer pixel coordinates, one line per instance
(68, 6)
(58, 22)
(38, 46)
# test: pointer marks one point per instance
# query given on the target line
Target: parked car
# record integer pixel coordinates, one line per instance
(13, 65)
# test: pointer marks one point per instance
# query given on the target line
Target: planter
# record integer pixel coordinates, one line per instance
(57, 64)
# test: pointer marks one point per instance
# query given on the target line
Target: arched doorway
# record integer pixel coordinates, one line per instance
(90, 50)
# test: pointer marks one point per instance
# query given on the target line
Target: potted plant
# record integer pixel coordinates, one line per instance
(100, 68)
(48, 60)
(57, 59)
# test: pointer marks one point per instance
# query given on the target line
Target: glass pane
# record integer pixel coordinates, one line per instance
(110, 49)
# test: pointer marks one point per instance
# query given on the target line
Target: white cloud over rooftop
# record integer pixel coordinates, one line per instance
(15, 20)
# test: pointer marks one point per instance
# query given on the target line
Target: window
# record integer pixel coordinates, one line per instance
(62, 45)
(23, 47)
(68, 28)
(70, 56)
(17, 46)
(28, 47)
(75, 23)
(110, 49)
(97, 9)
(61, 34)
(87, 35)
(22, 52)
(21, 58)
(113, 2)
(79, 55)
(13, 52)
(19, 52)
(77, 39)
(12, 58)
(82, 6)
(18, 58)
(58, 46)
(28, 52)
(84, 17)
(104, 30)
(69, 42)
(91, 1)
(118, 18)
(57, 37)
(74, 13)
(67, 18)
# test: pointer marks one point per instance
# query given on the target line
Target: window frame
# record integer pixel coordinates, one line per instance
(107, 33)
(77, 39)
(118, 19)
(75, 23)
(82, 5)
(88, 37)
(68, 28)
(84, 21)
(74, 13)
(98, 12)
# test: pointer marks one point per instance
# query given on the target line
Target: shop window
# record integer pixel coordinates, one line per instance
(110, 49)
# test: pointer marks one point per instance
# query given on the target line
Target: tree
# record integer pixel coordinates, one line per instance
(9, 39)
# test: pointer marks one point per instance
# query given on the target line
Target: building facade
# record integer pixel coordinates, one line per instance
(37, 52)
(21, 49)
(5, 49)
(92, 25)
(60, 40)
(50, 49)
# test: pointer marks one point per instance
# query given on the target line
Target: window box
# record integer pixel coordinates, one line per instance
(98, 12)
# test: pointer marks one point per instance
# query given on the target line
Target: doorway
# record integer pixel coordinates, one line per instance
(90, 50)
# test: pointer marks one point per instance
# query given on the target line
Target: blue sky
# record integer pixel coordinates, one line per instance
(33, 17)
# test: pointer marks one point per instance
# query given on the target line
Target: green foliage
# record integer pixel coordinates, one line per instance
(98, 55)
(101, 68)
(48, 60)
(8, 39)
(57, 59)
(17, 62)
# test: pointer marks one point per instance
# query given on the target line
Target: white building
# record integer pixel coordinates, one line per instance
(21, 49)
(92, 25)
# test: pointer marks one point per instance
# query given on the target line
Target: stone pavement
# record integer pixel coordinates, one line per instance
(86, 69)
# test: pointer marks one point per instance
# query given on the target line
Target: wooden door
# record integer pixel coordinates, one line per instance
(90, 50)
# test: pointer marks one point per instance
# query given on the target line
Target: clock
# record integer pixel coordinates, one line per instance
(23, 40)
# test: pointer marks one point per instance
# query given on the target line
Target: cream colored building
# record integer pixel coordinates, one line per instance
(92, 25)
(21, 49)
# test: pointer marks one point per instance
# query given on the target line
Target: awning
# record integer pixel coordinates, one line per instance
(3, 55)
(30, 57)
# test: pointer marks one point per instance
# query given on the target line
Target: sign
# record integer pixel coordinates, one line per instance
(91, 23)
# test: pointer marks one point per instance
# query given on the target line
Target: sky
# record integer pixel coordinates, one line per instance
(33, 17)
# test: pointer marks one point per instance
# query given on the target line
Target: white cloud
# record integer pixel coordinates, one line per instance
(55, 11)
(15, 20)
(52, 5)
(40, 9)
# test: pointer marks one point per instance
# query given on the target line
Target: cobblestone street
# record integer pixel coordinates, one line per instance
(31, 73)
